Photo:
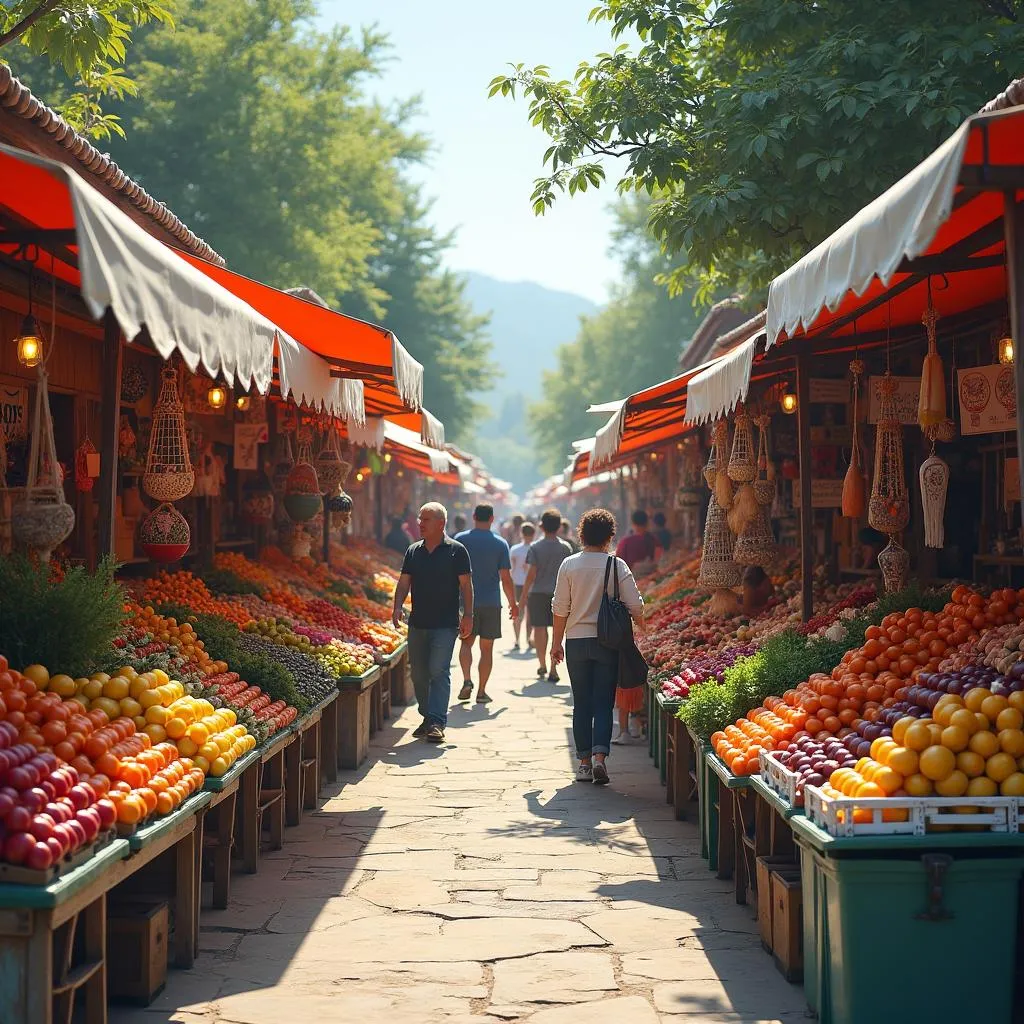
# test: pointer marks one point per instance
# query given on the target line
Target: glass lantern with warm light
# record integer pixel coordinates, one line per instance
(216, 397)
(788, 403)
(1004, 348)
(30, 342)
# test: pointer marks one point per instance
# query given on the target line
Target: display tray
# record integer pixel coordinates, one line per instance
(764, 790)
(369, 677)
(17, 874)
(153, 830)
(718, 766)
(217, 785)
(63, 887)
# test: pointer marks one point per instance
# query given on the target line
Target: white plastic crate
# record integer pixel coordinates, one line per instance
(779, 778)
(835, 815)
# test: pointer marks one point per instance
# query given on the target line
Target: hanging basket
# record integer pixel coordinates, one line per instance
(331, 470)
(895, 564)
(43, 519)
(165, 534)
(889, 507)
(169, 475)
(134, 385)
(764, 482)
(756, 544)
(717, 566)
(743, 460)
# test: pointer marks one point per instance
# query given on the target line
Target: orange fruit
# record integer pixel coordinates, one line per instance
(1012, 785)
(970, 763)
(881, 748)
(888, 780)
(1016, 700)
(955, 784)
(955, 738)
(1010, 740)
(917, 737)
(964, 719)
(1000, 766)
(982, 786)
(1008, 718)
(985, 743)
(973, 699)
(992, 705)
(900, 728)
(918, 785)
(937, 762)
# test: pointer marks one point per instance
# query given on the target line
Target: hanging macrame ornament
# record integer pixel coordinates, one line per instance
(169, 475)
(742, 460)
(764, 482)
(895, 564)
(756, 544)
(302, 498)
(854, 486)
(87, 466)
(340, 509)
(931, 406)
(718, 569)
(331, 471)
(934, 478)
(165, 534)
(721, 485)
(43, 518)
(889, 507)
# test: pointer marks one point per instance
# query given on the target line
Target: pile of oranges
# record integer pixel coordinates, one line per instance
(187, 589)
(867, 680)
(179, 635)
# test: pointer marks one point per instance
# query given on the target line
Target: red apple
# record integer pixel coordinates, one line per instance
(19, 819)
(106, 810)
(17, 847)
(60, 783)
(81, 836)
(39, 857)
(42, 827)
(56, 848)
(89, 819)
(80, 796)
(35, 799)
(21, 778)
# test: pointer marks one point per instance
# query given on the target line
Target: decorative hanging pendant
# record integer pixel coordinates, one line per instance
(169, 475)
(742, 460)
(717, 567)
(931, 405)
(764, 482)
(854, 486)
(721, 485)
(934, 478)
(302, 498)
(889, 507)
(756, 544)
(895, 565)
(165, 534)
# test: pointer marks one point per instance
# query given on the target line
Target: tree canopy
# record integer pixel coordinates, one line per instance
(633, 342)
(761, 125)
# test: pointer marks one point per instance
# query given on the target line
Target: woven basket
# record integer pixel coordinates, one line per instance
(895, 564)
(742, 460)
(889, 505)
(717, 566)
(756, 544)
(165, 534)
(169, 475)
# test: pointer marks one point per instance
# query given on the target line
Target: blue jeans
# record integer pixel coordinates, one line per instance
(430, 660)
(593, 673)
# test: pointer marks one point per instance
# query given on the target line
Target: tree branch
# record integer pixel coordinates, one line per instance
(28, 21)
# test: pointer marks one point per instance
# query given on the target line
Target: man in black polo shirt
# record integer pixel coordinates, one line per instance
(438, 571)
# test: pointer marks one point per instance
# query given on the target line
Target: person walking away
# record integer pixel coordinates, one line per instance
(543, 560)
(593, 669)
(638, 548)
(566, 535)
(459, 527)
(397, 539)
(515, 534)
(489, 556)
(661, 532)
(517, 555)
(438, 571)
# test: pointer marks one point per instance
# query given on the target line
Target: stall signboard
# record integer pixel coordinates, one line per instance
(825, 390)
(824, 493)
(988, 399)
(13, 412)
(248, 438)
(908, 393)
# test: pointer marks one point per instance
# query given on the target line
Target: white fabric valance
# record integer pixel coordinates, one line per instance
(440, 462)
(431, 429)
(368, 434)
(609, 437)
(717, 388)
(306, 377)
(408, 375)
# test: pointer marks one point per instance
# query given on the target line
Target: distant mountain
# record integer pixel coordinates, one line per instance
(528, 323)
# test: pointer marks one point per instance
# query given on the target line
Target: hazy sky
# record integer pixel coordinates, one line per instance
(486, 153)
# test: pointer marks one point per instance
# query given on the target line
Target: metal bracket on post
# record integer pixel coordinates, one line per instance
(935, 867)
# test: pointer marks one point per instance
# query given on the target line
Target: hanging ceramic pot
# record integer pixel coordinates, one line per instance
(165, 534)
(302, 498)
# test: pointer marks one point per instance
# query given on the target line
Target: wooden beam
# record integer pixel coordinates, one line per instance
(941, 264)
(1013, 226)
(803, 412)
(110, 420)
(993, 177)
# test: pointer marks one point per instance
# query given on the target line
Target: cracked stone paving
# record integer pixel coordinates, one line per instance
(478, 883)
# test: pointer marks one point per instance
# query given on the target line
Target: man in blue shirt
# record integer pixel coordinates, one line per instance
(489, 556)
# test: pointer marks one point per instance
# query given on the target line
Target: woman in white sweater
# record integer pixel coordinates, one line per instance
(593, 669)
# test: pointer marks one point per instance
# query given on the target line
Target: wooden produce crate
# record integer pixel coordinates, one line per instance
(329, 738)
(787, 922)
(137, 943)
(355, 713)
(53, 944)
(680, 774)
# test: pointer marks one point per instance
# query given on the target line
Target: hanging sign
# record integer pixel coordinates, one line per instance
(908, 392)
(988, 400)
(826, 390)
(248, 438)
(13, 412)
(824, 493)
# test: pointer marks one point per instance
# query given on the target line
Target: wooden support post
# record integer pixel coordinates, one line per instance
(110, 419)
(803, 412)
(327, 534)
(1013, 224)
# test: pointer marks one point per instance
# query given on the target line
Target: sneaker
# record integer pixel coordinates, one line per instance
(467, 690)
(421, 729)
(634, 727)
(600, 774)
(624, 739)
(435, 734)
(585, 773)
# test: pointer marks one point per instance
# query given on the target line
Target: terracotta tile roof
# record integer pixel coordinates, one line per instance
(1011, 96)
(721, 318)
(51, 136)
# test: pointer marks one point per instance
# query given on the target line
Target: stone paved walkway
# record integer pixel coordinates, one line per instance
(477, 883)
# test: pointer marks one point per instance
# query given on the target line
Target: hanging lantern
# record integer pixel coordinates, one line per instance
(764, 482)
(1004, 349)
(895, 565)
(216, 396)
(87, 466)
(29, 342)
(931, 405)
(43, 518)
(169, 474)
(165, 534)
(934, 479)
(242, 403)
(787, 403)
(331, 471)
(134, 385)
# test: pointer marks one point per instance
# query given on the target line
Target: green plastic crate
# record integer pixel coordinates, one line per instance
(874, 947)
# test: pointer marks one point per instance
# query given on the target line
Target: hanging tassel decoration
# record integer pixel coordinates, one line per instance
(853, 483)
(931, 406)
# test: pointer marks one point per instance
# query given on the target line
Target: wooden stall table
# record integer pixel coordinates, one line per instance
(34, 987)
(261, 796)
(680, 776)
(302, 762)
(355, 710)
(735, 804)
(219, 826)
(329, 733)
(180, 832)
(392, 682)
(402, 693)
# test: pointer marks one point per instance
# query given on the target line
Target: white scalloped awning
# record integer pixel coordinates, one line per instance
(440, 462)
(716, 390)
(368, 434)
(307, 379)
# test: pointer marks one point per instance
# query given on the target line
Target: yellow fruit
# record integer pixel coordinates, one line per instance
(62, 685)
(917, 737)
(886, 778)
(918, 785)
(970, 763)
(176, 728)
(937, 762)
(157, 715)
(128, 672)
(1009, 718)
(209, 751)
(223, 741)
(218, 767)
(954, 785)
(973, 699)
(39, 675)
(1011, 741)
(109, 707)
(81, 699)
(992, 705)
(99, 677)
(900, 728)
(202, 764)
(1012, 785)
(117, 688)
(955, 738)
(1016, 700)
(149, 698)
(964, 719)
(130, 708)
(140, 723)
(984, 743)
(157, 733)
(903, 761)
(161, 676)
(198, 734)
(881, 747)
(187, 748)
(1000, 766)
(982, 786)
